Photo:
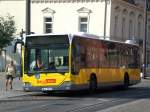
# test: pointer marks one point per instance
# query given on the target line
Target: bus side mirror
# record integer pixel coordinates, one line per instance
(18, 42)
(15, 47)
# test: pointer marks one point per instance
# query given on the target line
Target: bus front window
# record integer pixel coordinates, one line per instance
(47, 59)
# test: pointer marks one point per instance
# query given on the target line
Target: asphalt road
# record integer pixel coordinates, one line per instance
(80, 101)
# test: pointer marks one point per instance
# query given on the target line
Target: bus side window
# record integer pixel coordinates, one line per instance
(76, 59)
(83, 59)
(83, 56)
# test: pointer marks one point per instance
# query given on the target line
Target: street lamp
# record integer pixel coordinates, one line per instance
(28, 16)
(145, 39)
(105, 19)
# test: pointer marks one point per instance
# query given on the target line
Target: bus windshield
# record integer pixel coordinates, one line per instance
(45, 58)
(53, 59)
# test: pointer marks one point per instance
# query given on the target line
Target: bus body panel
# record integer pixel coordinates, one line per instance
(49, 79)
(105, 76)
(45, 80)
(81, 81)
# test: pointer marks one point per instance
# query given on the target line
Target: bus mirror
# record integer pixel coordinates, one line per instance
(18, 42)
(15, 48)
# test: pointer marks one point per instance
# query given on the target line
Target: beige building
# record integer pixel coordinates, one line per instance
(124, 18)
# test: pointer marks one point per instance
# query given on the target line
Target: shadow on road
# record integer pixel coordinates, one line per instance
(131, 93)
(141, 90)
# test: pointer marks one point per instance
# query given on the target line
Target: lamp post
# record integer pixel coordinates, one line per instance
(28, 16)
(145, 39)
(105, 19)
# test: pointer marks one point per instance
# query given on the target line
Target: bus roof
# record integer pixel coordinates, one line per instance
(84, 35)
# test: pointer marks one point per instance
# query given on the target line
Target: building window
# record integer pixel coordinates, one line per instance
(48, 23)
(148, 32)
(139, 29)
(83, 24)
(148, 57)
(123, 28)
(130, 29)
(116, 26)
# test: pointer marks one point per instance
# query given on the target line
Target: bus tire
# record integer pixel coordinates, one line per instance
(92, 84)
(126, 81)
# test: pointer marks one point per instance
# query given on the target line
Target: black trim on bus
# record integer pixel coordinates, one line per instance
(31, 74)
(73, 87)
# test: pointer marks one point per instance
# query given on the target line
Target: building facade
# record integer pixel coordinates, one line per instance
(124, 18)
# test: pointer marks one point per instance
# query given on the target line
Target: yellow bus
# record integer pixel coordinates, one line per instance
(78, 61)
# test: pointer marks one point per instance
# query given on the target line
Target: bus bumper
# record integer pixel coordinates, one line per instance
(66, 86)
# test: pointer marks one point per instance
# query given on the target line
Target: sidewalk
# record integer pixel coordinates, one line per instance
(17, 88)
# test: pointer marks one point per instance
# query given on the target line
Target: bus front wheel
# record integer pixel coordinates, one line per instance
(93, 83)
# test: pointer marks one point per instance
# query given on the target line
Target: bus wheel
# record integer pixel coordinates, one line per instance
(126, 82)
(93, 83)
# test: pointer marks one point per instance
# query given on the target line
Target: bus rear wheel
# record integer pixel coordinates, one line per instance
(92, 84)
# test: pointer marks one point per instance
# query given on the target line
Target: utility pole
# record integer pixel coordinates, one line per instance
(28, 16)
(105, 18)
(145, 39)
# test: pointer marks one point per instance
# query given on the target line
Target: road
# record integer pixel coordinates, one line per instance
(104, 100)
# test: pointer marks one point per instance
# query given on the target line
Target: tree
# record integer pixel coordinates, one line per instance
(7, 29)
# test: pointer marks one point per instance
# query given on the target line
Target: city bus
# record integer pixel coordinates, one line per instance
(78, 61)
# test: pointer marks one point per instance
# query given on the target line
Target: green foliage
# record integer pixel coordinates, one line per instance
(7, 29)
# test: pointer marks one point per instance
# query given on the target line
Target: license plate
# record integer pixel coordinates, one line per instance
(47, 89)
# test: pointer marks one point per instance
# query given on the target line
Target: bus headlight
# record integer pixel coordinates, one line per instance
(27, 84)
(67, 85)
